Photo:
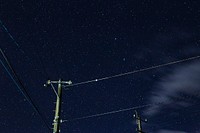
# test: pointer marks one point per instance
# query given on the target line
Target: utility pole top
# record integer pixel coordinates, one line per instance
(57, 120)
(139, 121)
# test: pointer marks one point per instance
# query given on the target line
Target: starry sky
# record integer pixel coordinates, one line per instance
(81, 40)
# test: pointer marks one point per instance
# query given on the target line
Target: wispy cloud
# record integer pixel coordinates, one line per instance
(177, 89)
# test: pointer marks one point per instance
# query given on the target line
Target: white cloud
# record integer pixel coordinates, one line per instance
(184, 81)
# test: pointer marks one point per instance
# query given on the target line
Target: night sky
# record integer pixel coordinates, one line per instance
(81, 40)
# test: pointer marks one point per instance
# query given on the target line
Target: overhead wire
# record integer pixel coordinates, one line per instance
(14, 80)
(132, 108)
(108, 113)
(133, 72)
(113, 112)
(18, 45)
(21, 87)
(123, 110)
(9, 34)
(24, 94)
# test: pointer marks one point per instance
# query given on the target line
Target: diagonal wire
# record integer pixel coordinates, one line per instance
(24, 94)
(6, 30)
(109, 113)
(135, 71)
(128, 109)
(17, 44)
(11, 37)
(21, 87)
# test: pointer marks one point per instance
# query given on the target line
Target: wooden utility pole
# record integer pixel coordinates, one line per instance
(57, 120)
(139, 122)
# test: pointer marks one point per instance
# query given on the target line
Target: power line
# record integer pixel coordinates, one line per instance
(133, 72)
(21, 87)
(11, 37)
(111, 112)
(25, 94)
(128, 109)
(108, 113)
(14, 80)
(18, 45)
